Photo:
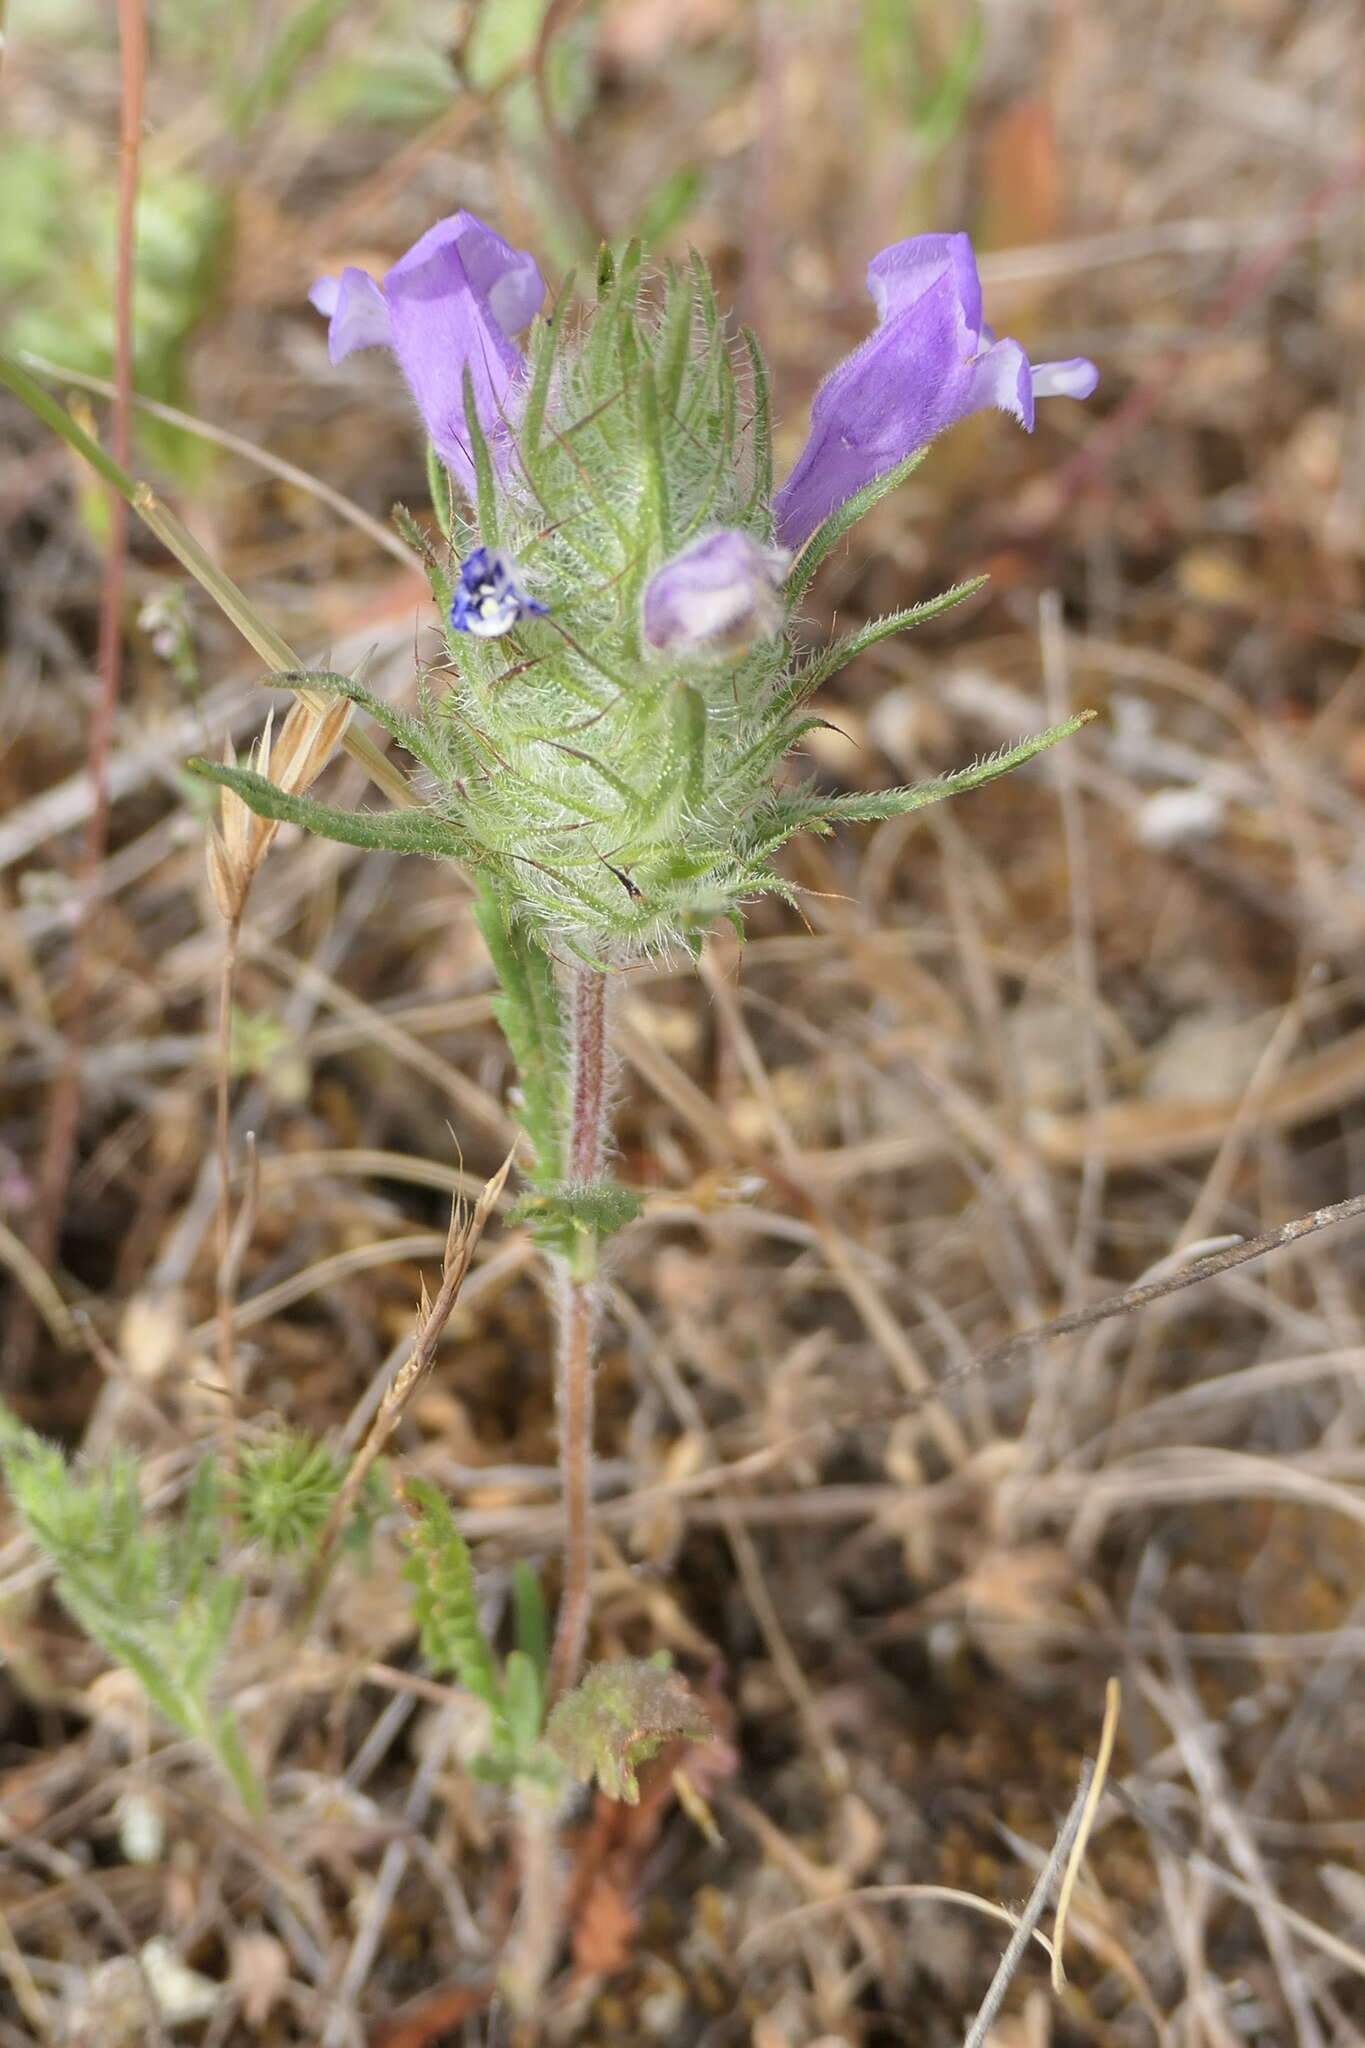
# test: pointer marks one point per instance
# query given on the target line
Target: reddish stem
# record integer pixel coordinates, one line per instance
(63, 1121)
(589, 1074)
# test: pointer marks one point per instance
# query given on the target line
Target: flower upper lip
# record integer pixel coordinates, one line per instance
(448, 308)
(922, 368)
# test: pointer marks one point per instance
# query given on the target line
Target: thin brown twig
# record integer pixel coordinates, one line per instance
(64, 1109)
(1015, 1349)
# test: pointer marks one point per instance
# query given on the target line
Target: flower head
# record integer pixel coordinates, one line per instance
(451, 305)
(489, 599)
(716, 597)
(623, 785)
(929, 362)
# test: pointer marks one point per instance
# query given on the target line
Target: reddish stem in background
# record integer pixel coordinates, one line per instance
(54, 1171)
(577, 1310)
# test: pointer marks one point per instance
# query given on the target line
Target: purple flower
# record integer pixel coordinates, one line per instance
(489, 599)
(451, 304)
(929, 362)
(716, 597)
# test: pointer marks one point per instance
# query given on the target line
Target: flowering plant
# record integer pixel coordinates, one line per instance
(623, 681)
(602, 749)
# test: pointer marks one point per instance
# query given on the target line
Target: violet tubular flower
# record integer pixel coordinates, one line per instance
(448, 308)
(929, 363)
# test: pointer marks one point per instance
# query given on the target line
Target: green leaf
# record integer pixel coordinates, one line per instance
(386, 831)
(617, 1718)
(829, 660)
(671, 344)
(232, 1756)
(529, 1012)
(669, 204)
(523, 1703)
(654, 468)
(528, 1606)
(441, 490)
(541, 350)
(599, 1207)
(485, 497)
(445, 1604)
(688, 720)
(801, 812)
(303, 29)
(941, 109)
(841, 520)
(502, 40)
(158, 1601)
(761, 436)
(198, 1541)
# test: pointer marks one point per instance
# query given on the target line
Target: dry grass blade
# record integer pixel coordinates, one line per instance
(1112, 1700)
(885, 1895)
(39, 1286)
(1031, 1915)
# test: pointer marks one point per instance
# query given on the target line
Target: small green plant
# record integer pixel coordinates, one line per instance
(160, 1593)
(618, 1717)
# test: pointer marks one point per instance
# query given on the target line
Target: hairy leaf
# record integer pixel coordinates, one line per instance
(385, 831)
(617, 1718)
(444, 1600)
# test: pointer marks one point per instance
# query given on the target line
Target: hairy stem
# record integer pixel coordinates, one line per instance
(574, 1369)
(587, 1074)
(589, 1081)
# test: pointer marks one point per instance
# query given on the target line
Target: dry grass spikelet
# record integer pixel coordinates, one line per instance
(240, 841)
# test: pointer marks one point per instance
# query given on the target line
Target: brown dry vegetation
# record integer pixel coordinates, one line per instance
(1012, 1054)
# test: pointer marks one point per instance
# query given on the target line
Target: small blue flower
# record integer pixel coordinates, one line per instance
(488, 598)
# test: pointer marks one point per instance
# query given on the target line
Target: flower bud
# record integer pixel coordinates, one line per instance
(717, 597)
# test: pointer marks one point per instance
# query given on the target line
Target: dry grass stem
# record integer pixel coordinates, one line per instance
(462, 1239)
